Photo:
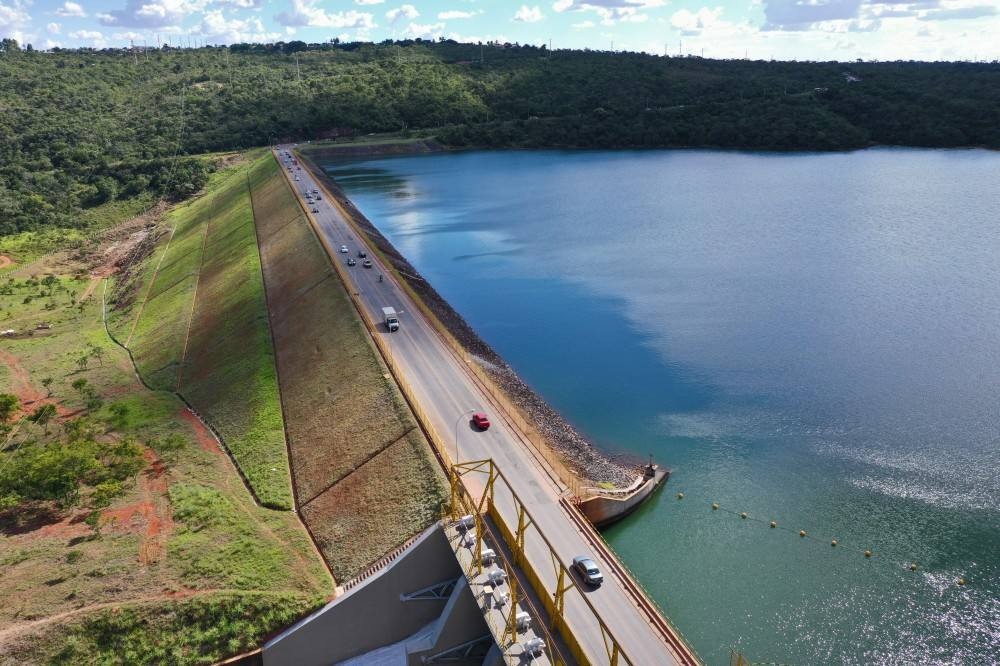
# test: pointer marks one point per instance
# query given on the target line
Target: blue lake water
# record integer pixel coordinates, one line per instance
(812, 339)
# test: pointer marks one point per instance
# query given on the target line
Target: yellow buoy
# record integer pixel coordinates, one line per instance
(868, 553)
(802, 533)
(715, 506)
(680, 495)
(961, 581)
(913, 567)
(773, 524)
(833, 543)
(743, 516)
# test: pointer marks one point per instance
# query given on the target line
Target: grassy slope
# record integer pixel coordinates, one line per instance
(365, 477)
(227, 571)
(202, 330)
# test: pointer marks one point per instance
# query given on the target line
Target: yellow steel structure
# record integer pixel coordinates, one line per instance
(555, 599)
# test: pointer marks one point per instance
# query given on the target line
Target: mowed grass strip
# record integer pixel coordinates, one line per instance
(228, 371)
(199, 327)
(342, 410)
(164, 307)
(379, 506)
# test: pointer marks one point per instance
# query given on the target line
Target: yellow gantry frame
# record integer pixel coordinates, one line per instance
(462, 500)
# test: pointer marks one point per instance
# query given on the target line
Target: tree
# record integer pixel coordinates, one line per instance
(98, 353)
(8, 405)
(81, 362)
(43, 415)
(47, 383)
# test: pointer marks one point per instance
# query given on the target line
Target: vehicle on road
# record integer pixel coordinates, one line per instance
(343, 249)
(391, 320)
(588, 570)
(367, 263)
(296, 178)
(481, 421)
(362, 254)
(318, 197)
(315, 210)
(351, 261)
(315, 191)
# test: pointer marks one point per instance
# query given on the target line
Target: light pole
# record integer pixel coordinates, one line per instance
(457, 421)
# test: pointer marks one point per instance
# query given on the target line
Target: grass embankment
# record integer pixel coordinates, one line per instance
(196, 323)
(364, 474)
(181, 566)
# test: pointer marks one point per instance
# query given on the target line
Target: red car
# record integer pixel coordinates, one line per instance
(480, 421)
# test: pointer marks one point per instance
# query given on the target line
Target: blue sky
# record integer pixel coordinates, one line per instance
(781, 29)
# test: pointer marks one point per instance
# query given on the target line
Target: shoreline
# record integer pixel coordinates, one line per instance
(590, 463)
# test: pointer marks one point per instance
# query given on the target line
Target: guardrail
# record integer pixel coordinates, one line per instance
(537, 443)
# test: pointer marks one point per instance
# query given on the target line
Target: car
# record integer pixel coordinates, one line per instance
(315, 191)
(588, 570)
(318, 197)
(343, 249)
(351, 261)
(481, 421)
(315, 210)
(367, 263)
(362, 254)
(296, 178)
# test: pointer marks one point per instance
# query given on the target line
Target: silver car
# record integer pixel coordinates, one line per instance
(588, 570)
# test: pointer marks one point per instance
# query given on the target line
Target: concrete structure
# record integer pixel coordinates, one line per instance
(605, 509)
(419, 609)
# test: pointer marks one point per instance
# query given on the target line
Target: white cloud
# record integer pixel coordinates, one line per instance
(692, 23)
(306, 13)
(368, 2)
(528, 14)
(151, 13)
(54, 28)
(127, 36)
(49, 44)
(12, 16)
(423, 31)
(402, 12)
(70, 9)
(215, 27)
(478, 39)
(583, 25)
(93, 36)
(242, 4)
(611, 11)
(456, 14)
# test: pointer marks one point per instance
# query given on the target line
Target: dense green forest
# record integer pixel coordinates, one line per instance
(82, 128)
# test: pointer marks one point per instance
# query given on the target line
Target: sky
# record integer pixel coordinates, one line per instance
(758, 29)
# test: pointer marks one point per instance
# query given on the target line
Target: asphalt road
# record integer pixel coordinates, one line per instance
(447, 393)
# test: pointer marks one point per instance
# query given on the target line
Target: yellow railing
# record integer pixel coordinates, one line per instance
(553, 599)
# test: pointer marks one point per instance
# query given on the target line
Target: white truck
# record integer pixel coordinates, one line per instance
(391, 320)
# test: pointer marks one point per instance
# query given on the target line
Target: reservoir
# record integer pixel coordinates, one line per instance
(812, 339)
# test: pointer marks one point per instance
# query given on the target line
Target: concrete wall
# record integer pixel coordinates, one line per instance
(372, 614)
(602, 511)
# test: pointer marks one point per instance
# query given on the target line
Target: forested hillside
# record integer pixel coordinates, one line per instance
(79, 129)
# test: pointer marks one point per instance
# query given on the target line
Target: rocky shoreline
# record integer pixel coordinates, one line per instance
(586, 460)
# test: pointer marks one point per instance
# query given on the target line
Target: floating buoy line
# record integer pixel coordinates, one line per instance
(834, 543)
